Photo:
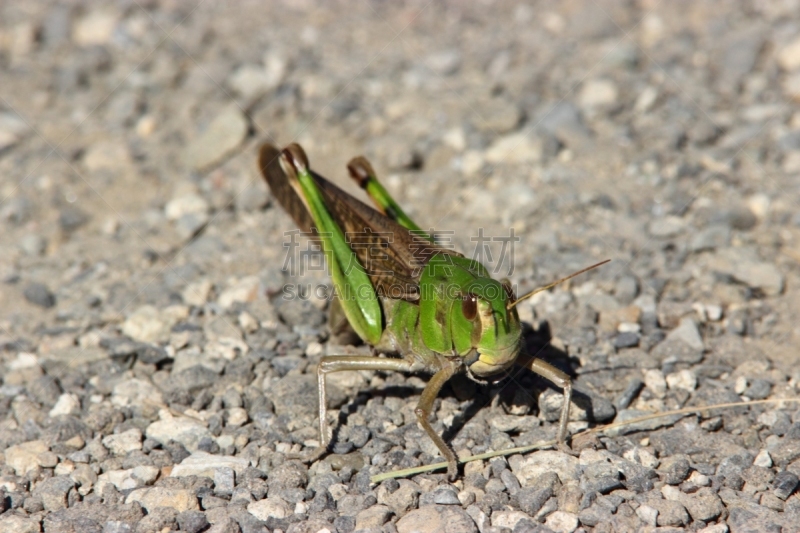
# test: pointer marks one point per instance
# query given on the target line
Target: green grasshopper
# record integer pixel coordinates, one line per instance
(402, 293)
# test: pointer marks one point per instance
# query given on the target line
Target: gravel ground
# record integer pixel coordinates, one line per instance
(154, 379)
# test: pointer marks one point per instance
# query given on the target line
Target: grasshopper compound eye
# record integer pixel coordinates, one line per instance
(469, 306)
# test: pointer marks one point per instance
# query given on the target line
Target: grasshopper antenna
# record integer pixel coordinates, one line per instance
(550, 286)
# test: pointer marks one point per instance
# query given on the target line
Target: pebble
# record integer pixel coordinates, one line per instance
(497, 116)
(562, 522)
(192, 521)
(148, 324)
(670, 513)
(645, 101)
(565, 122)
(190, 213)
(629, 394)
(435, 518)
(626, 339)
(197, 293)
(515, 148)
(683, 380)
(188, 204)
(12, 523)
(237, 417)
(95, 28)
(152, 497)
(27, 456)
(598, 94)
(122, 443)
(72, 218)
(243, 290)
(272, 507)
(704, 504)
(784, 484)
(67, 404)
(39, 294)
(53, 492)
(446, 495)
(747, 269)
(654, 380)
(33, 245)
(136, 392)
(131, 478)
(676, 350)
(224, 134)
(187, 431)
(789, 56)
(532, 467)
(252, 81)
(508, 519)
(710, 238)
(373, 517)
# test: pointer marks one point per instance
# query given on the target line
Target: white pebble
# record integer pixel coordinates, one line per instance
(562, 522)
(763, 459)
(698, 479)
(713, 312)
(66, 404)
(741, 385)
(647, 514)
(654, 380)
(684, 379)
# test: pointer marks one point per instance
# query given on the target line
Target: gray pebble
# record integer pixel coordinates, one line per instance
(676, 469)
(192, 521)
(223, 481)
(627, 339)
(564, 121)
(289, 475)
(45, 390)
(784, 484)
(16, 210)
(72, 218)
(53, 492)
(758, 389)
(710, 238)
(445, 495)
(39, 294)
(670, 513)
(629, 394)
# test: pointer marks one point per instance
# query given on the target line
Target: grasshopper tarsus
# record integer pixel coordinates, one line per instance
(361, 171)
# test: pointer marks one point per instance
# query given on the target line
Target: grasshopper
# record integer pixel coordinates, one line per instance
(439, 311)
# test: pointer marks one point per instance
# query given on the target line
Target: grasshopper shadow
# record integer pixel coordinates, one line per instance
(520, 387)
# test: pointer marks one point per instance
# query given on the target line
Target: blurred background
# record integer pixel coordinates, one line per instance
(141, 253)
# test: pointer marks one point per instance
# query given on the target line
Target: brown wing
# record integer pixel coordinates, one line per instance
(392, 256)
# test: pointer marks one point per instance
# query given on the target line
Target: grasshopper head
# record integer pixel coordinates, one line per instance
(496, 329)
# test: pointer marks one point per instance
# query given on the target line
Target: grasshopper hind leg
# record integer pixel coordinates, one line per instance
(362, 173)
(340, 363)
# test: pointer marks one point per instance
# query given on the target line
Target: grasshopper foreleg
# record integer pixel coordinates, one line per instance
(551, 373)
(423, 412)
